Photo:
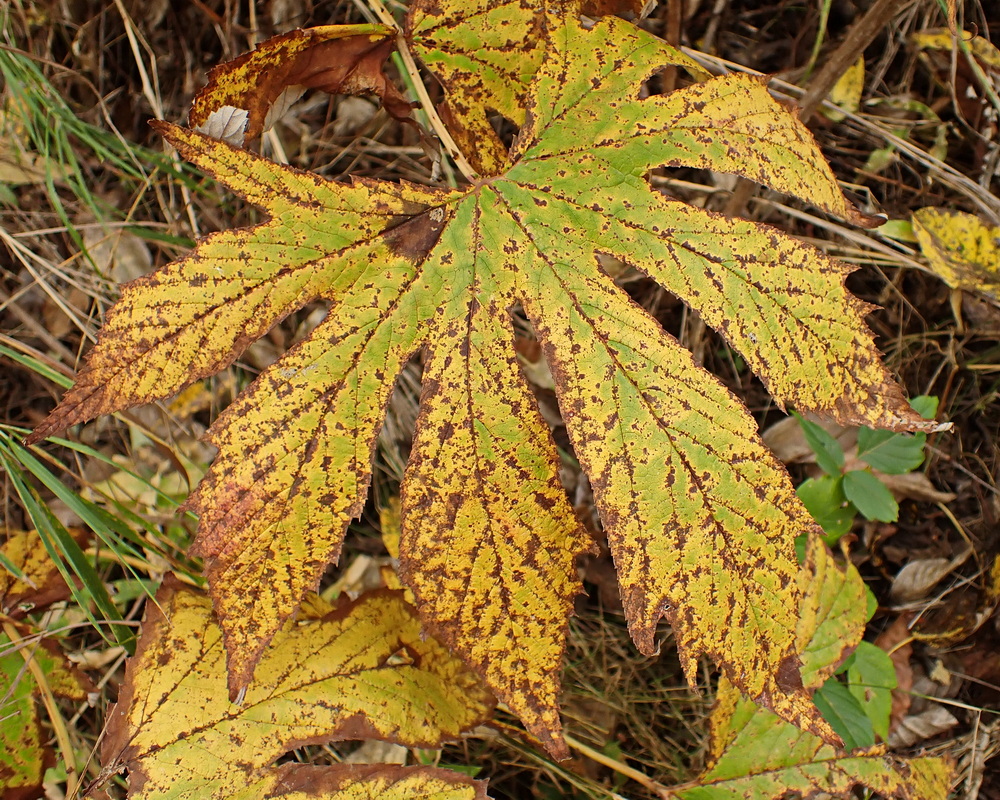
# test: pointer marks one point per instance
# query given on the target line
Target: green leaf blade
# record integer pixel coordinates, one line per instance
(891, 453)
(829, 453)
(871, 497)
(825, 500)
(844, 712)
(871, 679)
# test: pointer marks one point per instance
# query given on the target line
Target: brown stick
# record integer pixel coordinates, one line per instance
(861, 34)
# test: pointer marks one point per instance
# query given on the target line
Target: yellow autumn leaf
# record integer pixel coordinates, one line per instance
(40, 583)
(701, 518)
(961, 249)
(846, 92)
(485, 53)
(942, 39)
(363, 671)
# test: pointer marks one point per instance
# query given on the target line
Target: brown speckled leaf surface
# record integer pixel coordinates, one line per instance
(754, 755)
(700, 516)
(365, 670)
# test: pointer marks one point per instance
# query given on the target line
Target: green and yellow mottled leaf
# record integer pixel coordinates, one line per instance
(754, 755)
(832, 616)
(700, 517)
(503, 602)
(25, 753)
(961, 249)
(485, 53)
(375, 782)
(364, 671)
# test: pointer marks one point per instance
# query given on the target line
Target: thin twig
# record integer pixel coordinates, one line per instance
(613, 764)
(425, 99)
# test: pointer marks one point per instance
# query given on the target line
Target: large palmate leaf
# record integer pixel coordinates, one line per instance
(700, 517)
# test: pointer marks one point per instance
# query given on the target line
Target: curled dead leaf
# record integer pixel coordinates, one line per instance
(917, 578)
(338, 59)
(227, 123)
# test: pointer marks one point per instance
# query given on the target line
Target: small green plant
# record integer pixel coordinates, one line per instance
(836, 498)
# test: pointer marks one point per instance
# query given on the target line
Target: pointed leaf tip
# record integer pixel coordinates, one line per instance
(753, 753)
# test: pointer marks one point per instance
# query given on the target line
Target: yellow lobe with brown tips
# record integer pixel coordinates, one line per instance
(754, 754)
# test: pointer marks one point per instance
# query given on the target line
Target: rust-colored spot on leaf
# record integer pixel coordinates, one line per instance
(416, 236)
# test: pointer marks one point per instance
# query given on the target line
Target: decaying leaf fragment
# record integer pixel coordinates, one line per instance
(943, 39)
(41, 582)
(847, 91)
(962, 249)
(338, 59)
(25, 658)
(753, 754)
(362, 671)
(701, 518)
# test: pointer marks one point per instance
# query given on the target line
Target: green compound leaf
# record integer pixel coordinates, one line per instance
(897, 454)
(891, 453)
(871, 497)
(844, 712)
(925, 405)
(700, 517)
(829, 453)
